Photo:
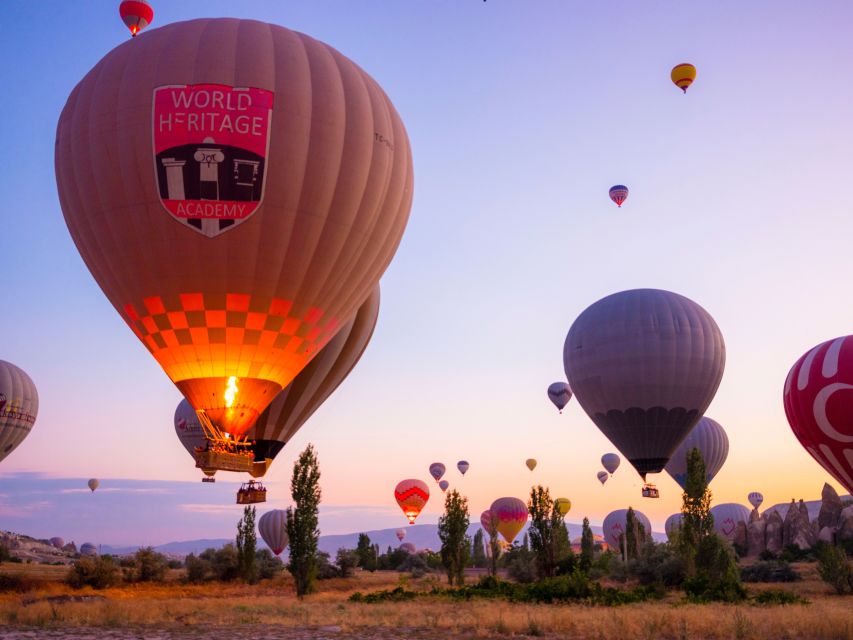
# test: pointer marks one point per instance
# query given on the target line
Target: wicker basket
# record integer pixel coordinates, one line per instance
(223, 460)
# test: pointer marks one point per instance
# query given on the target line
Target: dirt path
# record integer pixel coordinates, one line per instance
(248, 632)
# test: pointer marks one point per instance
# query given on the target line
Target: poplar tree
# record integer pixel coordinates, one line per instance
(545, 521)
(453, 533)
(587, 546)
(246, 544)
(303, 521)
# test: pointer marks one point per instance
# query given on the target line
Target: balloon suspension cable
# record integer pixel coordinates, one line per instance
(222, 451)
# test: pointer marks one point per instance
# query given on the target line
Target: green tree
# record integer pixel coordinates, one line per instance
(494, 553)
(366, 553)
(635, 535)
(149, 566)
(478, 556)
(834, 569)
(303, 520)
(587, 546)
(545, 522)
(346, 561)
(246, 544)
(453, 533)
(697, 523)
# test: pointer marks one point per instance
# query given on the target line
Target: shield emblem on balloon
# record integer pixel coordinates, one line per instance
(211, 143)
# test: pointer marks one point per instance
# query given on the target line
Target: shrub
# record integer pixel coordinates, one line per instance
(717, 577)
(148, 566)
(792, 553)
(268, 565)
(224, 562)
(97, 572)
(769, 571)
(325, 569)
(394, 595)
(776, 596)
(415, 564)
(347, 561)
(198, 569)
(658, 564)
(17, 583)
(767, 555)
(834, 569)
(5, 554)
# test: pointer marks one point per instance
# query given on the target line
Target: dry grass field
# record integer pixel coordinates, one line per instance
(271, 609)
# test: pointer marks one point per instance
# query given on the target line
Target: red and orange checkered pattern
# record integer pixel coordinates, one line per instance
(202, 335)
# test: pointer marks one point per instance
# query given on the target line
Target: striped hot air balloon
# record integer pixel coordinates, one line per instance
(436, 470)
(683, 75)
(818, 402)
(273, 529)
(136, 15)
(511, 515)
(755, 499)
(19, 406)
(619, 193)
(489, 522)
(559, 393)
(602, 476)
(411, 495)
(463, 466)
(710, 438)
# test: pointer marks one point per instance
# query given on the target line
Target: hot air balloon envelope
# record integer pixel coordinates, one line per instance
(511, 515)
(610, 461)
(436, 470)
(713, 443)
(93, 483)
(19, 406)
(644, 365)
(401, 533)
(444, 484)
(563, 505)
(727, 516)
(463, 466)
(615, 524)
(530, 463)
(819, 406)
(755, 499)
(672, 525)
(683, 75)
(411, 495)
(136, 15)
(618, 193)
(489, 522)
(602, 476)
(559, 393)
(273, 529)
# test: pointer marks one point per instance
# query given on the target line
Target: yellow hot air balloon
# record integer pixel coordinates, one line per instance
(236, 190)
(563, 505)
(531, 463)
(683, 75)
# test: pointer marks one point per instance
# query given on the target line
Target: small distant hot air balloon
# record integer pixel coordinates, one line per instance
(563, 505)
(408, 547)
(683, 75)
(755, 499)
(436, 470)
(19, 406)
(672, 524)
(463, 466)
(559, 393)
(531, 463)
(615, 523)
(511, 514)
(610, 461)
(93, 483)
(726, 518)
(619, 193)
(411, 495)
(57, 542)
(273, 529)
(444, 484)
(602, 476)
(401, 533)
(136, 14)
(818, 405)
(710, 438)
(489, 522)
(88, 549)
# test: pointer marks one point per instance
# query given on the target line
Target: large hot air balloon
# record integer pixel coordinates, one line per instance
(726, 518)
(463, 466)
(489, 522)
(602, 476)
(755, 499)
(563, 505)
(530, 463)
(298, 401)
(819, 406)
(672, 525)
(615, 524)
(511, 515)
(401, 533)
(93, 484)
(618, 193)
(411, 495)
(443, 485)
(273, 529)
(683, 75)
(559, 393)
(436, 470)
(713, 443)
(136, 15)
(19, 406)
(190, 432)
(610, 461)
(644, 365)
(236, 190)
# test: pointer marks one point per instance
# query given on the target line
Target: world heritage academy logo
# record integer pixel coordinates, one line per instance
(211, 143)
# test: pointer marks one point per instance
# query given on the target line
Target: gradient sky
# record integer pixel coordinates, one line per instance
(521, 114)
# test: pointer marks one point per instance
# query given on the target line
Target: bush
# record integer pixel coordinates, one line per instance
(97, 572)
(767, 555)
(347, 561)
(224, 562)
(834, 569)
(17, 583)
(5, 554)
(792, 553)
(198, 569)
(775, 596)
(520, 563)
(658, 564)
(148, 566)
(325, 569)
(769, 571)
(415, 564)
(267, 564)
(394, 595)
(717, 577)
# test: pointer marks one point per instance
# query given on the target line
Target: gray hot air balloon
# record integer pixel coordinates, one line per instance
(19, 406)
(444, 484)
(463, 466)
(644, 365)
(610, 461)
(190, 433)
(755, 499)
(615, 523)
(93, 484)
(559, 393)
(726, 518)
(602, 476)
(88, 549)
(672, 524)
(273, 529)
(436, 470)
(713, 443)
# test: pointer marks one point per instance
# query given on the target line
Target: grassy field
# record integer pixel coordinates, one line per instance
(176, 605)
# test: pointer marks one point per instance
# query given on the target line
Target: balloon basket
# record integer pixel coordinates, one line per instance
(650, 491)
(239, 461)
(208, 479)
(251, 492)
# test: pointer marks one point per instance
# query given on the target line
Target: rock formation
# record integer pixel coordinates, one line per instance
(773, 532)
(755, 544)
(830, 507)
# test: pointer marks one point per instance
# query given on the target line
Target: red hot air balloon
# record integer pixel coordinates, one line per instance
(511, 514)
(236, 189)
(136, 14)
(411, 495)
(818, 397)
(489, 522)
(619, 193)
